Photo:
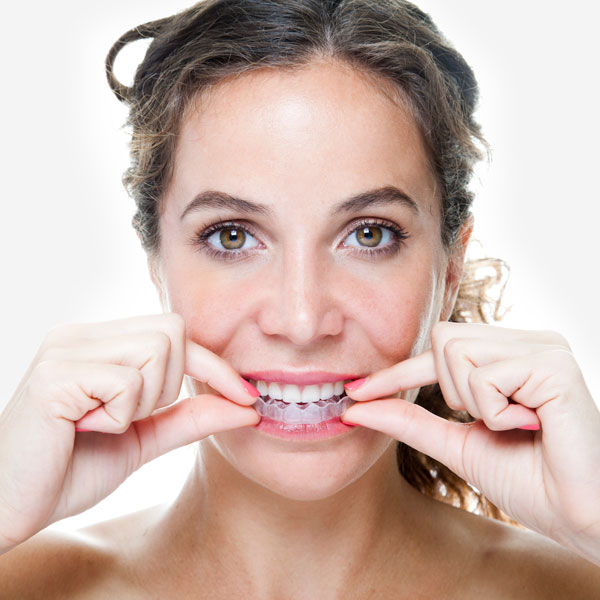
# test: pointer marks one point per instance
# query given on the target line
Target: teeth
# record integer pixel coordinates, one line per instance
(326, 391)
(275, 391)
(310, 393)
(291, 394)
(294, 394)
(262, 387)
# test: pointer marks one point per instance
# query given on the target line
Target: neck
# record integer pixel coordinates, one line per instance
(280, 547)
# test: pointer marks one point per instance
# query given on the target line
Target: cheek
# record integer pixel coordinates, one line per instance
(395, 310)
(211, 302)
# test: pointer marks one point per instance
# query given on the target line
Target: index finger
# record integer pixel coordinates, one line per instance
(409, 374)
(206, 366)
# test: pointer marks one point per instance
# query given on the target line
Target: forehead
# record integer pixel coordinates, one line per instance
(324, 130)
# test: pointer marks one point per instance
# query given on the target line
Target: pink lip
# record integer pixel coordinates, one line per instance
(306, 378)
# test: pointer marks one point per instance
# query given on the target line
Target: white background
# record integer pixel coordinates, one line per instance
(69, 254)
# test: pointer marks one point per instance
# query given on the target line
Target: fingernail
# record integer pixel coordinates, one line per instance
(79, 429)
(354, 385)
(250, 389)
(530, 427)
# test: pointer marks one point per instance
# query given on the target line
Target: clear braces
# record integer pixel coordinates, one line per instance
(302, 414)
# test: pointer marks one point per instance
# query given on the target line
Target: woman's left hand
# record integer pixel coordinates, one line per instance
(534, 450)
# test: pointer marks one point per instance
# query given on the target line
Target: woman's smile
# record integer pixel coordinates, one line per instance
(294, 405)
(303, 406)
(320, 269)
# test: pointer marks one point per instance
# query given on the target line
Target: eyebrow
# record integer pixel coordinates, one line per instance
(214, 199)
(388, 194)
(380, 196)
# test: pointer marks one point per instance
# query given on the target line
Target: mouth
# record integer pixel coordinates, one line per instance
(294, 404)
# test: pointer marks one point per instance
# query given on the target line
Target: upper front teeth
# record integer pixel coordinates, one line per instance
(294, 394)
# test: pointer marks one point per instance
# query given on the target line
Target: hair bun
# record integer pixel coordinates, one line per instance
(147, 30)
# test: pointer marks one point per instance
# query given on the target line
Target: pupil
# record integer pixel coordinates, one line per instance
(232, 239)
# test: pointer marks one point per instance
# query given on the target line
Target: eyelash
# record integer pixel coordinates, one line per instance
(201, 240)
(399, 236)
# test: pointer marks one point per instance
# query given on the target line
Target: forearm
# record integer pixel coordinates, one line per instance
(585, 544)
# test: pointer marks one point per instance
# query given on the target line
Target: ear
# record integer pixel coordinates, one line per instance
(454, 270)
(155, 276)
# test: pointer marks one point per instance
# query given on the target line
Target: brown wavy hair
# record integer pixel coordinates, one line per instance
(393, 43)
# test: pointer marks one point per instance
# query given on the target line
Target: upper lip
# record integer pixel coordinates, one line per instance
(299, 378)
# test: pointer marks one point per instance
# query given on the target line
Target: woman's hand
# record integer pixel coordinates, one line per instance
(87, 381)
(513, 382)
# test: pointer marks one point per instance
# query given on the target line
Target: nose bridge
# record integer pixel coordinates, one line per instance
(300, 294)
(303, 310)
(300, 281)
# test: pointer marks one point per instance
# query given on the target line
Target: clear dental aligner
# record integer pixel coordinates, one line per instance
(297, 405)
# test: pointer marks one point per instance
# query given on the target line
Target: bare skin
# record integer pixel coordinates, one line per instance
(127, 557)
(265, 518)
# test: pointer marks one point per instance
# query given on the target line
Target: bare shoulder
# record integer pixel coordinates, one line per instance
(517, 563)
(93, 563)
(54, 565)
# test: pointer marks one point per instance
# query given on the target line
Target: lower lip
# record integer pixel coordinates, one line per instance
(303, 433)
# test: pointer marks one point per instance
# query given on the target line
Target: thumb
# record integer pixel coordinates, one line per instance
(415, 426)
(189, 421)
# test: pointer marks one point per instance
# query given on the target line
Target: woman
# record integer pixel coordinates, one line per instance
(300, 171)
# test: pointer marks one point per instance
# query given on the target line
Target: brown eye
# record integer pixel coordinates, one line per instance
(369, 236)
(232, 239)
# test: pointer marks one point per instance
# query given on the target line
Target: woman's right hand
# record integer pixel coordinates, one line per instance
(95, 405)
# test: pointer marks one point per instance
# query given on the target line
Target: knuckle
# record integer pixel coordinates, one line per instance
(54, 389)
(176, 324)
(453, 403)
(476, 380)
(51, 353)
(562, 356)
(561, 340)
(489, 413)
(45, 372)
(453, 347)
(492, 423)
(438, 333)
(159, 343)
(51, 340)
(443, 332)
(132, 380)
(121, 426)
(58, 332)
(56, 340)
(553, 338)
(451, 398)
(565, 367)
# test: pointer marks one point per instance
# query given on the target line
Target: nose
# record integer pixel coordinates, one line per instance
(301, 304)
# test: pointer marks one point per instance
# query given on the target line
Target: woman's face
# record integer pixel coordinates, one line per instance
(308, 275)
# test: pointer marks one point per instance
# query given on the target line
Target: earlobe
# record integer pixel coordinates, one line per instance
(454, 271)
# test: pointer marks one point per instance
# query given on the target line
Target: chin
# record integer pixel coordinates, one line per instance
(303, 471)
